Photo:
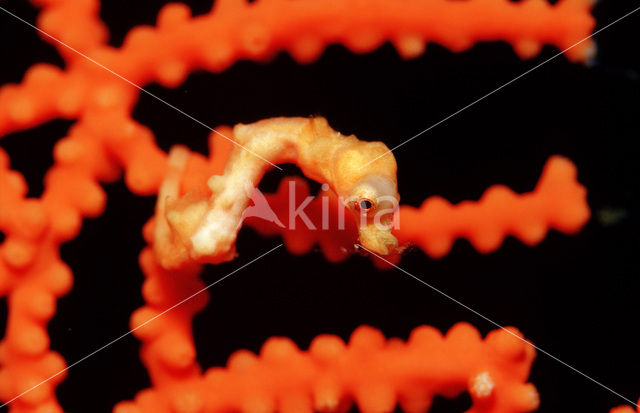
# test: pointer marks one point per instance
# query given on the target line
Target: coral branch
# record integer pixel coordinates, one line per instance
(73, 22)
(558, 202)
(625, 409)
(168, 350)
(375, 373)
(237, 30)
(33, 276)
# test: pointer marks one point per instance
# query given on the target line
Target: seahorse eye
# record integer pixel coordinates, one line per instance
(364, 204)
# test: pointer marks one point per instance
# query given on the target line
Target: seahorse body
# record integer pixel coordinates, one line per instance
(206, 230)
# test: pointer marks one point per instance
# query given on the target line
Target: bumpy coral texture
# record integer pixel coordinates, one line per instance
(105, 141)
(558, 201)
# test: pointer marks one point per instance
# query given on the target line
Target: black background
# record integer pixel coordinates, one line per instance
(574, 296)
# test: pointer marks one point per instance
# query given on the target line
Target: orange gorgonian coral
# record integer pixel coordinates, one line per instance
(99, 88)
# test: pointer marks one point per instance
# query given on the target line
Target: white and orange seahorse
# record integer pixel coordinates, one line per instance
(197, 230)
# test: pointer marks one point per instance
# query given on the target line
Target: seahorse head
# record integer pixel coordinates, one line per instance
(370, 191)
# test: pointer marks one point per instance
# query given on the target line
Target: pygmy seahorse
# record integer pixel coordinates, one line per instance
(205, 230)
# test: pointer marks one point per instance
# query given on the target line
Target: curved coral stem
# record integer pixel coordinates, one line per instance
(375, 373)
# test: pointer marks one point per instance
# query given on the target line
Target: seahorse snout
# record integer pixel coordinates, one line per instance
(378, 238)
